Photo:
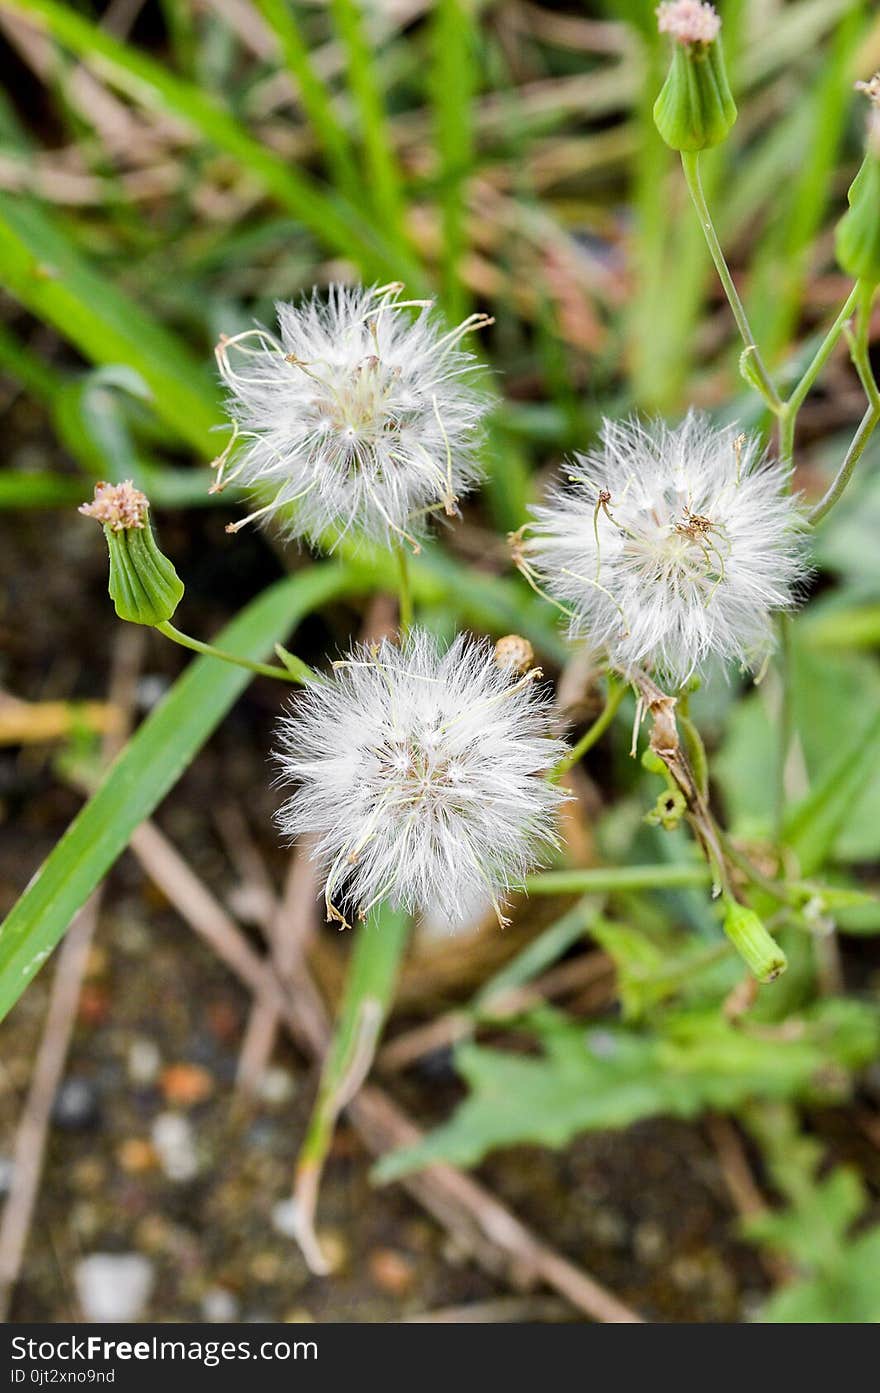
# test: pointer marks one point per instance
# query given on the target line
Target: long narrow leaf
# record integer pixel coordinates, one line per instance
(44, 271)
(145, 771)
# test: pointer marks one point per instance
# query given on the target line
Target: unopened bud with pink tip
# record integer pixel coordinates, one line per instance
(695, 108)
(143, 585)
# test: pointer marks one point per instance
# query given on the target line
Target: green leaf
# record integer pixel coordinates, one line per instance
(606, 1077)
(651, 969)
(44, 271)
(848, 1296)
(370, 981)
(833, 705)
(840, 1276)
(148, 767)
(813, 826)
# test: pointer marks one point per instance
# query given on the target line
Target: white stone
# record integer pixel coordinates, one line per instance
(218, 1304)
(175, 1143)
(113, 1286)
(144, 1061)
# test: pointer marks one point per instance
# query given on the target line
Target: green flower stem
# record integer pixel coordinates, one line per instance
(786, 718)
(797, 398)
(607, 879)
(859, 350)
(208, 650)
(690, 161)
(845, 472)
(616, 691)
(404, 588)
(787, 420)
(859, 346)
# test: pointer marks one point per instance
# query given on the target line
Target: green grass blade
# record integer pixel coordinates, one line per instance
(378, 949)
(812, 827)
(313, 95)
(333, 221)
(38, 376)
(383, 173)
(43, 270)
(782, 268)
(454, 45)
(148, 767)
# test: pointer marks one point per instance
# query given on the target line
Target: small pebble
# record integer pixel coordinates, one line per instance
(76, 1105)
(649, 1241)
(88, 1175)
(113, 1286)
(265, 1267)
(392, 1271)
(277, 1087)
(136, 1155)
(93, 1007)
(609, 1228)
(185, 1085)
(175, 1144)
(218, 1304)
(144, 1061)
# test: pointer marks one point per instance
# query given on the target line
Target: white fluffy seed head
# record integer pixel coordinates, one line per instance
(361, 414)
(419, 775)
(670, 546)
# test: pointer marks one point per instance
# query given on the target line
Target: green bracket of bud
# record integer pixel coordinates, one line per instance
(758, 950)
(695, 109)
(144, 586)
(857, 242)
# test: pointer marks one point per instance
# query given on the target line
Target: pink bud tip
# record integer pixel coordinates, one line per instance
(688, 21)
(120, 507)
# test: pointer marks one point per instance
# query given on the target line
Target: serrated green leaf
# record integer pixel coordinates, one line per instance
(608, 1077)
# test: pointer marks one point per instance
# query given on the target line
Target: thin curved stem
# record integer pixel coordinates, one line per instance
(404, 589)
(846, 470)
(615, 695)
(785, 720)
(690, 161)
(860, 346)
(209, 651)
(823, 353)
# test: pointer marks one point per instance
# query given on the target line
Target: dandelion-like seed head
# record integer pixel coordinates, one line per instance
(121, 507)
(361, 414)
(419, 775)
(670, 547)
(689, 21)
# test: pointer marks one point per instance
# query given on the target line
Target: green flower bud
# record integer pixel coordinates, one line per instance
(761, 953)
(144, 585)
(858, 232)
(695, 108)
